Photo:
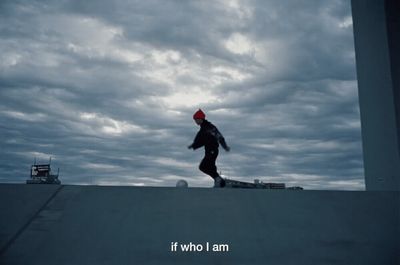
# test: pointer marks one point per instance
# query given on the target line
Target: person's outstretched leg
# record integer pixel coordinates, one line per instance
(208, 166)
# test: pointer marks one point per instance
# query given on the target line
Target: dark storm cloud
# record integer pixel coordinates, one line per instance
(108, 88)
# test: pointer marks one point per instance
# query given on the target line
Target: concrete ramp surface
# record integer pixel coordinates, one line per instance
(46, 224)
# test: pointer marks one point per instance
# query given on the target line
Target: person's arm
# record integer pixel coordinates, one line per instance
(198, 141)
(221, 140)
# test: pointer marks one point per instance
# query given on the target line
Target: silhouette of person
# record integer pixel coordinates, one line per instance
(209, 137)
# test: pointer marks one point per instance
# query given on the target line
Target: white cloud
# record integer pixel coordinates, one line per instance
(109, 126)
(240, 8)
(32, 117)
(192, 97)
(346, 23)
(239, 44)
(228, 74)
(100, 167)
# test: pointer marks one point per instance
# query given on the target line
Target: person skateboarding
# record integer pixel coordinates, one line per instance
(209, 137)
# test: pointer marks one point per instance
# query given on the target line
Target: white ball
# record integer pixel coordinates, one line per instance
(182, 184)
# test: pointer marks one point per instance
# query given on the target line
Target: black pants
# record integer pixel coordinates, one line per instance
(207, 165)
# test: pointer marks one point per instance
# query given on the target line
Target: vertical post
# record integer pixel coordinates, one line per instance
(376, 32)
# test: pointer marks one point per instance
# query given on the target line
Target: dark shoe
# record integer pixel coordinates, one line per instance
(219, 182)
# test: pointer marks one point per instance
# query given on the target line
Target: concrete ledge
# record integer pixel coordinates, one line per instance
(18, 205)
(130, 225)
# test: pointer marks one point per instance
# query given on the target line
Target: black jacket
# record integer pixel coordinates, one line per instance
(209, 137)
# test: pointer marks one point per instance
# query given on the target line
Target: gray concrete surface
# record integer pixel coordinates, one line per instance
(18, 205)
(376, 32)
(131, 225)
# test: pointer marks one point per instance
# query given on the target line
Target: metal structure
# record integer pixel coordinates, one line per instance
(230, 183)
(41, 174)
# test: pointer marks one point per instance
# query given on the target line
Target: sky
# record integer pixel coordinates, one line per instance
(107, 89)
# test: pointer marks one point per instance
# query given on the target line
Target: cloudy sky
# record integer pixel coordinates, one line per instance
(108, 90)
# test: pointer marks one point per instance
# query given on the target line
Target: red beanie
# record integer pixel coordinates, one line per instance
(199, 115)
